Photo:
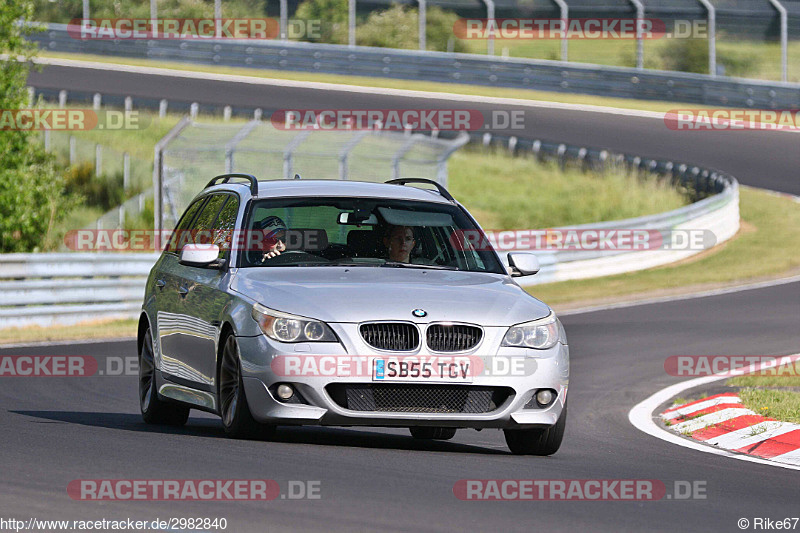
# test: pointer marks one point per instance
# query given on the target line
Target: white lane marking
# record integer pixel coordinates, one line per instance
(690, 426)
(642, 418)
(754, 434)
(677, 298)
(699, 407)
(792, 458)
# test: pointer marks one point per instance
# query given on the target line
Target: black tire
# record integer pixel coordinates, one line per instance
(435, 433)
(154, 409)
(537, 441)
(237, 419)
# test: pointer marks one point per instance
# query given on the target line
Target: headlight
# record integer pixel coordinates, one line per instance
(539, 334)
(291, 328)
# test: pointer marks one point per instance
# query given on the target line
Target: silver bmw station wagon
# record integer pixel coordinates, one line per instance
(339, 303)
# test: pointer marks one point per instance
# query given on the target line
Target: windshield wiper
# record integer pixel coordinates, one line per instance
(398, 264)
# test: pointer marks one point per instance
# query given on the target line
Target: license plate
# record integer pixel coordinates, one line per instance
(423, 370)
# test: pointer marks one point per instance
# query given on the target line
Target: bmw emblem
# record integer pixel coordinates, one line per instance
(419, 313)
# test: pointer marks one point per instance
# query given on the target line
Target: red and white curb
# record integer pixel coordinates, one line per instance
(644, 418)
(723, 421)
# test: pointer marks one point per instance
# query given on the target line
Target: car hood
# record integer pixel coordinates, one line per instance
(359, 294)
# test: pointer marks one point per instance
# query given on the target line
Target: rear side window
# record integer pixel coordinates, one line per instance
(175, 244)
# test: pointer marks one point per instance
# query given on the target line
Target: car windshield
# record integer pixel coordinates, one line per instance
(364, 232)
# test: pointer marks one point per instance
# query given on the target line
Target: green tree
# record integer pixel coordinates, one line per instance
(32, 193)
(333, 15)
(397, 27)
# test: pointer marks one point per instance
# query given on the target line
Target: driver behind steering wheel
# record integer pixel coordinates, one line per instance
(274, 237)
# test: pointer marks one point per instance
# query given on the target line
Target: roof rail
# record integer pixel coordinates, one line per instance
(440, 187)
(226, 178)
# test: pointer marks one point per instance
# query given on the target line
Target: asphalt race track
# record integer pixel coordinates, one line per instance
(60, 429)
(759, 158)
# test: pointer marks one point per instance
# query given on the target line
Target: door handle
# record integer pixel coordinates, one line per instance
(160, 283)
(183, 290)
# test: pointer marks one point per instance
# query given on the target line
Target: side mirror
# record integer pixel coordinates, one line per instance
(523, 264)
(201, 255)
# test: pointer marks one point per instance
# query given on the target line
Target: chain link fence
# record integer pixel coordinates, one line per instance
(195, 152)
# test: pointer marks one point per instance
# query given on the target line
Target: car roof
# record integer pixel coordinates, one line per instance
(323, 188)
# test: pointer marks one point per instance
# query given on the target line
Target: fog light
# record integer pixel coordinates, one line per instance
(285, 391)
(544, 397)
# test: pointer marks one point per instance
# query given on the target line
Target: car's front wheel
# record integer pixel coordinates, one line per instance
(155, 410)
(236, 416)
(537, 441)
(434, 433)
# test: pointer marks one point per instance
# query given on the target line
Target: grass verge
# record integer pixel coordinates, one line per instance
(781, 405)
(506, 193)
(388, 83)
(758, 251)
(89, 330)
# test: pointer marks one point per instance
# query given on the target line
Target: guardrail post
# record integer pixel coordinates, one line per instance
(490, 20)
(257, 114)
(564, 8)
(351, 23)
(284, 19)
(423, 18)
(639, 41)
(62, 98)
(126, 171)
(712, 36)
(31, 97)
(97, 101)
(218, 17)
(162, 108)
(128, 104)
(193, 109)
(154, 17)
(784, 38)
(226, 113)
(98, 159)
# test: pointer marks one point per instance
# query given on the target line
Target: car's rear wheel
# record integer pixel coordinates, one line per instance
(236, 416)
(434, 433)
(537, 441)
(154, 410)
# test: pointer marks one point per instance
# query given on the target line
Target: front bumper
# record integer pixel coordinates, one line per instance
(543, 369)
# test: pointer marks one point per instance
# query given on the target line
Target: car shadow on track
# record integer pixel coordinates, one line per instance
(211, 428)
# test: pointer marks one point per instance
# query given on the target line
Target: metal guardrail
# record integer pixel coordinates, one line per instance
(444, 67)
(68, 288)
